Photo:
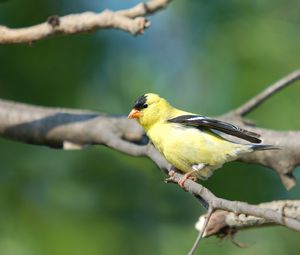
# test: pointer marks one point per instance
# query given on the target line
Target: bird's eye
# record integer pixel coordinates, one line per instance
(145, 106)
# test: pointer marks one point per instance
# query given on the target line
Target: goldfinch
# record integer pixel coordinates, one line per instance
(191, 143)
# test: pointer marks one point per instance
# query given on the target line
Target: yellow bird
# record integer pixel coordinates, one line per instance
(191, 143)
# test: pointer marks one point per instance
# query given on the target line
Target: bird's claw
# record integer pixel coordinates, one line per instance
(187, 176)
(182, 180)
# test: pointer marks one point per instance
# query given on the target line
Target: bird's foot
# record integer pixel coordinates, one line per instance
(190, 175)
(187, 176)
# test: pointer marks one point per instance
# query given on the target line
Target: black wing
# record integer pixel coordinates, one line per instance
(227, 128)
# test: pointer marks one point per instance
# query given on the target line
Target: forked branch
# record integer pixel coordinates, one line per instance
(270, 215)
(225, 222)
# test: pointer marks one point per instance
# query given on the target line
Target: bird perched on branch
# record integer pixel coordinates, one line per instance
(191, 143)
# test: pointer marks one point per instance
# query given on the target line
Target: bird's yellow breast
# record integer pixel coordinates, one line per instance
(186, 146)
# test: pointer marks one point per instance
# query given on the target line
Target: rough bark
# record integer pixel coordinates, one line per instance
(224, 222)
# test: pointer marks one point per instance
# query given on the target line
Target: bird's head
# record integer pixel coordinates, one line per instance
(149, 109)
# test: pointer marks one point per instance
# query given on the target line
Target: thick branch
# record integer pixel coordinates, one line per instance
(224, 222)
(129, 20)
(61, 128)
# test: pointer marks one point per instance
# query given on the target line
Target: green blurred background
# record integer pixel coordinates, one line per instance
(204, 56)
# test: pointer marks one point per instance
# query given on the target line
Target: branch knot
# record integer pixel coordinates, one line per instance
(53, 21)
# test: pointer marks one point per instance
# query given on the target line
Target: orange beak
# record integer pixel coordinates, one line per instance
(134, 114)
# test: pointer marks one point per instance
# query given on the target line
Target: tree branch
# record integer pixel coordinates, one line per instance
(283, 161)
(73, 129)
(131, 20)
(267, 93)
(237, 207)
(224, 222)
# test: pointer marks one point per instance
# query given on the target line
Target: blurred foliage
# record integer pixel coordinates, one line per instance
(204, 56)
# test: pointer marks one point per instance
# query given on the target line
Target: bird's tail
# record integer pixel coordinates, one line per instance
(261, 147)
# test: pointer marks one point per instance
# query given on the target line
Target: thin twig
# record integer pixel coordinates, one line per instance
(143, 9)
(201, 231)
(268, 92)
